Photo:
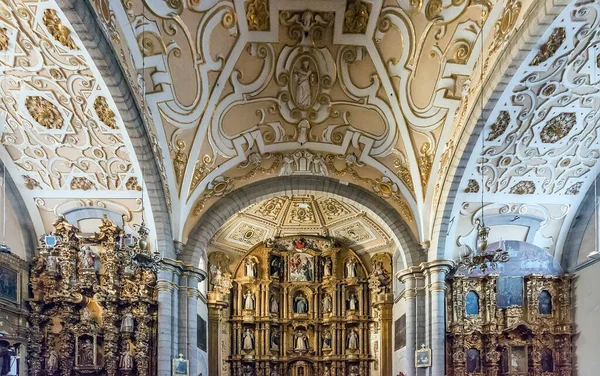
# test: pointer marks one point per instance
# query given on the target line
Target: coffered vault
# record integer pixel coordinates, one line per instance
(369, 92)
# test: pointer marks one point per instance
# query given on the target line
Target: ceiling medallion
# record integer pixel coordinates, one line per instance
(548, 49)
(105, 114)
(481, 258)
(44, 112)
(59, 31)
(356, 17)
(558, 127)
(3, 39)
(257, 15)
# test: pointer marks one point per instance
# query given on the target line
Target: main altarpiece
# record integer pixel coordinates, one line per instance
(301, 307)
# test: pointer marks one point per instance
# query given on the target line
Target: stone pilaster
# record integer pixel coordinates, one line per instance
(437, 271)
(165, 288)
(408, 278)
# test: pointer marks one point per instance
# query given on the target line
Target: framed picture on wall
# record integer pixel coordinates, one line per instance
(510, 292)
(518, 362)
(400, 333)
(201, 332)
(9, 284)
(181, 366)
(423, 357)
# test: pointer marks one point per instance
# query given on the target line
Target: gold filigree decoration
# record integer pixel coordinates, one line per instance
(81, 184)
(525, 187)
(558, 127)
(132, 184)
(425, 164)
(499, 126)
(31, 183)
(44, 112)
(201, 170)
(505, 24)
(105, 114)
(472, 186)
(549, 48)
(403, 172)
(3, 39)
(179, 161)
(307, 25)
(229, 20)
(433, 9)
(59, 31)
(574, 189)
(272, 208)
(257, 15)
(356, 17)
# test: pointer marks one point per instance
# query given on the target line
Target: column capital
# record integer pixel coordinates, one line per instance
(409, 274)
(437, 266)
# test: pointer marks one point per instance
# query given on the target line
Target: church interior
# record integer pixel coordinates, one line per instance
(299, 187)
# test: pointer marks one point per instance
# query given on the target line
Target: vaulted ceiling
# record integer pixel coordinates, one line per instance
(372, 92)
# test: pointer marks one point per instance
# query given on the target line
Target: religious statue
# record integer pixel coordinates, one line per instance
(351, 268)
(247, 370)
(353, 370)
(250, 268)
(327, 339)
(304, 79)
(52, 267)
(381, 275)
(352, 340)
(127, 323)
(352, 302)
(319, 167)
(275, 336)
(274, 307)
(249, 301)
(126, 361)
(52, 362)
(287, 168)
(326, 371)
(87, 258)
(300, 341)
(327, 303)
(300, 304)
(86, 353)
(275, 266)
(248, 340)
(327, 268)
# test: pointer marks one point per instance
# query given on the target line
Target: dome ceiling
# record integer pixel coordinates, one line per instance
(300, 215)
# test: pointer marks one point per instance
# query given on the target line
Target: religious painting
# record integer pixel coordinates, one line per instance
(545, 303)
(518, 360)
(547, 361)
(301, 267)
(423, 357)
(181, 366)
(510, 292)
(472, 303)
(9, 284)
(275, 266)
(400, 333)
(201, 334)
(473, 360)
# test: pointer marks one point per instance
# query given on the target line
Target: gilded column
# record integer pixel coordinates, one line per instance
(437, 271)
(408, 278)
(385, 304)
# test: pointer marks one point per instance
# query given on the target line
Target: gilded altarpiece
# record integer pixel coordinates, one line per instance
(304, 307)
(93, 310)
(534, 338)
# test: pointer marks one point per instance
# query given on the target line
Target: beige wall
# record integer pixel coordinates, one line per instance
(587, 320)
(14, 234)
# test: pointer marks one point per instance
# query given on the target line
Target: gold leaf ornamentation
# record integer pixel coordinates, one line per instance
(425, 164)
(356, 17)
(558, 127)
(132, 184)
(525, 187)
(505, 24)
(3, 39)
(31, 183)
(81, 184)
(499, 126)
(180, 161)
(257, 15)
(59, 31)
(549, 48)
(403, 172)
(472, 186)
(105, 114)
(44, 112)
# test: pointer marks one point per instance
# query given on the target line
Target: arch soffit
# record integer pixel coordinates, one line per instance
(228, 206)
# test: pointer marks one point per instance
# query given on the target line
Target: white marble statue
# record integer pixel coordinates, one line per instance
(250, 268)
(274, 305)
(248, 340)
(352, 340)
(300, 341)
(327, 268)
(304, 79)
(126, 361)
(249, 301)
(351, 268)
(327, 303)
(353, 303)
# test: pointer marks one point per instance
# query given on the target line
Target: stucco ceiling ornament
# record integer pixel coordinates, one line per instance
(59, 31)
(548, 49)
(257, 15)
(303, 162)
(356, 17)
(3, 39)
(499, 126)
(44, 112)
(558, 127)
(505, 24)
(574, 189)
(525, 187)
(105, 114)
(81, 183)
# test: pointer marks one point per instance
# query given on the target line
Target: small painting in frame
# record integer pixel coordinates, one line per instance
(181, 366)
(423, 357)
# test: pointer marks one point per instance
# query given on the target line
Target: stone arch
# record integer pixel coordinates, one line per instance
(539, 19)
(91, 34)
(226, 207)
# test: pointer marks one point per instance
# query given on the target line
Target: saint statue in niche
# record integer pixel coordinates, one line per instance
(250, 268)
(247, 371)
(545, 303)
(472, 303)
(249, 301)
(275, 338)
(326, 371)
(351, 268)
(547, 361)
(352, 302)
(274, 306)
(300, 341)
(86, 353)
(52, 267)
(353, 370)
(275, 266)
(327, 339)
(327, 303)
(473, 360)
(87, 258)
(300, 304)
(126, 361)
(248, 340)
(304, 81)
(127, 323)
(52, 362)
(327, 267)
(352, 343)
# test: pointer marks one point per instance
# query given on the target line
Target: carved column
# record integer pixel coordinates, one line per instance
(215, 312)
(408, 278)
(437, 271)
(385, 304)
